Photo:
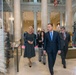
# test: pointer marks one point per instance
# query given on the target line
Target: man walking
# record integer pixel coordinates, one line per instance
(64, 39)
(51, 46)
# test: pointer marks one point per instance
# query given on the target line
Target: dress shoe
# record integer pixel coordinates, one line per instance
(30, 64)
(39, 60)
(44, 63)
(64, 66)
(52, 73)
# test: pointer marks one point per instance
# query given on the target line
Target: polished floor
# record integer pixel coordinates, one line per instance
(39, 69)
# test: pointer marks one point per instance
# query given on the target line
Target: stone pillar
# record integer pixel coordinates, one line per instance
(61, 19)
(35, 22)
(49, 15)
(7, 21)
(22, 31)
(44, 14)
(68, 18)
(74, 16)
(11, 19)
(17, 21)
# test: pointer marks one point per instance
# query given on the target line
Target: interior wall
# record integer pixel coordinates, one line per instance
(55, 19)
(28, 23)
(28, 20)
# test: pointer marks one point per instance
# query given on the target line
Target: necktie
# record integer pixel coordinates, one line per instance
(51, 35)
(64, 36)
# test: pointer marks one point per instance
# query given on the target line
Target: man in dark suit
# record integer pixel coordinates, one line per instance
(64, 39)
(51, 46)
(74, 39)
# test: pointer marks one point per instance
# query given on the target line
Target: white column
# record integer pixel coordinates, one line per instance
(49, 15)
(7, 21)
(35, 22)
(74, 16)
(17, 21)
(22, 25)
(68, 18)
(11, 19)
(44, 14)
(61, 19)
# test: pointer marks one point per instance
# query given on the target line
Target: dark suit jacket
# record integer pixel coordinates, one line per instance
(66, 41)
(74, 39)
(34, 39)
(52, 45)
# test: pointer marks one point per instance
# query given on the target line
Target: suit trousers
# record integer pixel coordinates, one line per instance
(41, 55)
(51, 60)
(63, 55)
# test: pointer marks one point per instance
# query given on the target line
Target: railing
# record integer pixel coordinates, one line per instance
(9, 2)
(17, 46)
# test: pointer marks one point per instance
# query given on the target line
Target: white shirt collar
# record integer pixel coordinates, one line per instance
(51, 31)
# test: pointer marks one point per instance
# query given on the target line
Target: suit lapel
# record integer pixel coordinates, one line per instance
(53, 35)
(66, 34)
(49, 36)
(61, 36)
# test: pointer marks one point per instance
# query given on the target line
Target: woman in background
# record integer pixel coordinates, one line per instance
(29, 50)
(40, 43)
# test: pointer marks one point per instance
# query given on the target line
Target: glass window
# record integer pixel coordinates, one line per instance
(51, 1)
(4, 0)
(58, 1)
(28, 0)
(38, 0)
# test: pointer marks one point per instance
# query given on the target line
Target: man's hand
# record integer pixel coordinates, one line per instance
(44, 52)
(59, 51)
(31, 42)
(40, 40)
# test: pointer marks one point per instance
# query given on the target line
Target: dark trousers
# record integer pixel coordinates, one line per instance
(63, 55)
(51, 60)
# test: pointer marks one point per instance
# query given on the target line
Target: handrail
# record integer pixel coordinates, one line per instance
(21, 46)
(16, 47)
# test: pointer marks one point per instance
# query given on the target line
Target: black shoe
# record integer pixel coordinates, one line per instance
(30, 66)
(39, 60)
(62, 62)
(52, 73)
(64, 66)
(44, 63)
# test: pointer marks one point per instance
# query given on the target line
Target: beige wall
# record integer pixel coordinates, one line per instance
(28, 19)
(28, 23)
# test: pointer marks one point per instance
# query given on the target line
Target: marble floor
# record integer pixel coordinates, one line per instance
(39, 69)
